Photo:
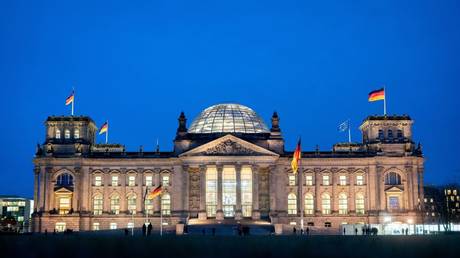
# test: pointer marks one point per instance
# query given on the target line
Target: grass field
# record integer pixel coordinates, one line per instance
(68, 246)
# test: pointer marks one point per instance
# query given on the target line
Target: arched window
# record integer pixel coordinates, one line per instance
(64, 179)
(58, 134)
(292, 204)
(392, 178)
(98, 204)
(309, 204)
(343, 204)
(132, 204)
(390, 135)
(326, 203)
(76, 134)
(166, 204)
(149, 206)
(115, 204)
(359, 204)
(67, 134)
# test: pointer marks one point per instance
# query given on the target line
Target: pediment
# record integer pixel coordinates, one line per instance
(228, 145)
(394, 189)
(62, 190)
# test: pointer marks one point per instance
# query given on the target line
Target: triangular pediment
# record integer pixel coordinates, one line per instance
(228, 145)
(62, 190)
(393, 189)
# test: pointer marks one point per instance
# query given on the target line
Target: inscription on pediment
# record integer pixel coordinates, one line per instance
(228, 147)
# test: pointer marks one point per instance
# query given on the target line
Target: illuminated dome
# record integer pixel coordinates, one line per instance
(228, 118)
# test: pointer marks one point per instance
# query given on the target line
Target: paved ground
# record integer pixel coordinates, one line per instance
(108, 246)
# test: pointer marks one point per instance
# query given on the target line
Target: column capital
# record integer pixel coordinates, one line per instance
(37, 170)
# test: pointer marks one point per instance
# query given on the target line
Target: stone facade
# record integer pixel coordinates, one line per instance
(226, 175)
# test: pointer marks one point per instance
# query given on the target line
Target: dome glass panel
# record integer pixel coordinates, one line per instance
(228, 118)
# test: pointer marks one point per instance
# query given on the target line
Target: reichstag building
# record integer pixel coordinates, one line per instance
(228, 166)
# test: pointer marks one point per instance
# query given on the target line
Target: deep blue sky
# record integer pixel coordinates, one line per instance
(140, 64)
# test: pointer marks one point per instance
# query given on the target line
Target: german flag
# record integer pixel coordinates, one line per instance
(104, 128)
(69, 99)
(377, 95)
(296, 158)
(156, 192)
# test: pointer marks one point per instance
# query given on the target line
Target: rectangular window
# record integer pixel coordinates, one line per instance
(21, 203)
(326, 180)
(132, 205)
(149, 206)
(211, 191)
(20, 218)
(96, 226)
(58, 134)
(148, 180)
(67, 134)
(381, 136)
(114, 180)
(359, 180)
(113, 225)
(130, 225)
(394, 202)
(400, 135)
(165, 180)
(327, 224)
(246, 191)
(308, 180)
(292, 204)
(359, 204)
(343, 180)
(64, 205)
(229, 191)
(309, 205)
(98, 180)
(131, 180)
(76, 134)
(60, 226)
(97, 205)
(292, 180)
(12, 208)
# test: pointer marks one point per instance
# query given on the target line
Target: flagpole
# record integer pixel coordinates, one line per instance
(73, 101)
(161, 218)
(107, 133)
(384, 101)
(349, 131)
(301, 190)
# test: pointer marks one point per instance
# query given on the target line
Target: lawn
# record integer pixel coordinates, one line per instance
(68, 246)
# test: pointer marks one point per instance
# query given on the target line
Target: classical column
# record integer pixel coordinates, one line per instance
(372, 182)
(220, 214)
(255, 192)
(202, 213)
(36, 187)
(238, 214)
(47, 189)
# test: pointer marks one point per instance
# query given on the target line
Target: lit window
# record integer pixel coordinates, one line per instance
(165, 180)
(166, 204)
(21, 203)
(131, 180)
(448, 192)
(20, 218)
(58, 134)
(211, 191)
(425, 200)
(246, 191)
(148, 180)
(343, 180)
(292, 204)
(431, 199)
(114, 180)
(454, 192)
(326, 180)
(149, 206)
(115, 204)
(291, 180)
(359, 204)
(60, 226)
(326, 203)
(64, 205)
(359, 180)
(132, 204)
(130, 225)
(229, 191)
(309, 204)
(97, 204)
(113, 225)
(97, 180)
(308, 180)
(76, 134)
(67, 133)
(96, 226)
(327, 224)
(343, 204)
(12, 208)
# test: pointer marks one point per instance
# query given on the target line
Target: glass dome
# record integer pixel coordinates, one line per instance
(228, 118)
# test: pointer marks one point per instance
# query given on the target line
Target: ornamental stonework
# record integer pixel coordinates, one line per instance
(228, 147)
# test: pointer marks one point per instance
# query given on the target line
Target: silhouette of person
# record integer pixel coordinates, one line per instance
(308, 231)
(144, 229)
(149, 229)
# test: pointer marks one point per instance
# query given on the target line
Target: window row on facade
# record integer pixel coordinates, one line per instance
(131, 201)
(325, 179)
(67, 134)
(326, 205)
(114, 180)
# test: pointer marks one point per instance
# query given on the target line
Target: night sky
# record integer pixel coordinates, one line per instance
(140, 64)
